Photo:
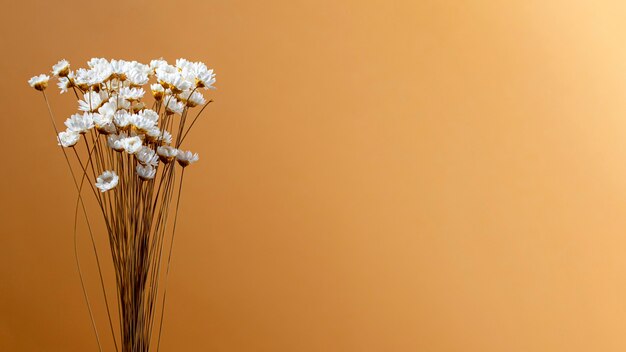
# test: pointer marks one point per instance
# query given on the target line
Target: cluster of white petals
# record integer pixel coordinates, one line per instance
(39, 82)
(108, 180)
(111, 105)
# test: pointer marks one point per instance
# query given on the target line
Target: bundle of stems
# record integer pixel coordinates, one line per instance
(134, 167)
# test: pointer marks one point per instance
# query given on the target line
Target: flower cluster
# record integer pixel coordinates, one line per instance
(127, 142)
(111, 108)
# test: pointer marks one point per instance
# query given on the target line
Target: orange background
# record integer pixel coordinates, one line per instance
(374, 175)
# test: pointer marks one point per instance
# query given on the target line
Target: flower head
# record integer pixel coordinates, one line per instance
(157, 91)
(149, 115)
(174, 106)
(116, 141)
(186, 158)
(192, 98)
(92, 101)
(68, 138)
(205, 79)
(65, 83)
(141, 123)
(39, 82)
(145, 172)
(108, 180)
(132, 144)
(79, 123)
(121, 118)
(147, 156)
(61, 69)
(166, 153)
(131, 94)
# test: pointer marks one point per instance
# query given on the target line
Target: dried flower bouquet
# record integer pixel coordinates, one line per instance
(126, 153)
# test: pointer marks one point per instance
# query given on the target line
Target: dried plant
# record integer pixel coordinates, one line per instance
(126, 156)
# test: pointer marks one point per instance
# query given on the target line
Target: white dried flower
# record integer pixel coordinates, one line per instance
(141, 123)
(132, 144)
(205, 79)
(177, 82)
(119, 103)
(92, 101)
(150, 115)
(121, 118)
(97, 62)
(131, 94)
(145, 172)
(183, 64)
(157, 91)
(186, 158)
(61, 69)
(119, 68)
(174, 106)
(68, 138)
(192, 99)
(108, 109)
(164, 70)
(87, 79)
(108, 180)
(107, 129)
(147, 156)
(166, 153)
(116, 141)
(137, 74)
(99, 119)
(154, 64)
(39, 82)
(165, 137)
(79, 123)
(64, 84)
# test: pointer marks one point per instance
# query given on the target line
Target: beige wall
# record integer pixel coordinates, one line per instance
(374, 176)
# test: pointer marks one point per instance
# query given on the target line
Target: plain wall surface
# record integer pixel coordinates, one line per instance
(434, 176)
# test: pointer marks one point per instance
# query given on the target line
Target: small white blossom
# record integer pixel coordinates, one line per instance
(108, 180)
(174, 106)
(119, 68)
(150, 115)
(92, 101)
(79, 123)
(97, 62)
(205, 80)
(147, 156)
(192, 99)
(90, 78)
(157, 91)
(121, 118)
(183, 64)
(165, 137)
(116, 141)
(107, 129)
(119, 103)
(137, 74)
(61, 69)
(39, 82)
(132, 144)
(98, 119)
(186, 158)
(131, 94)
(141, 123)
(166, 153)
(68, 138)
(145, 172)
(177, 82)
(64, 83)
(108, 109)
(154, 64)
